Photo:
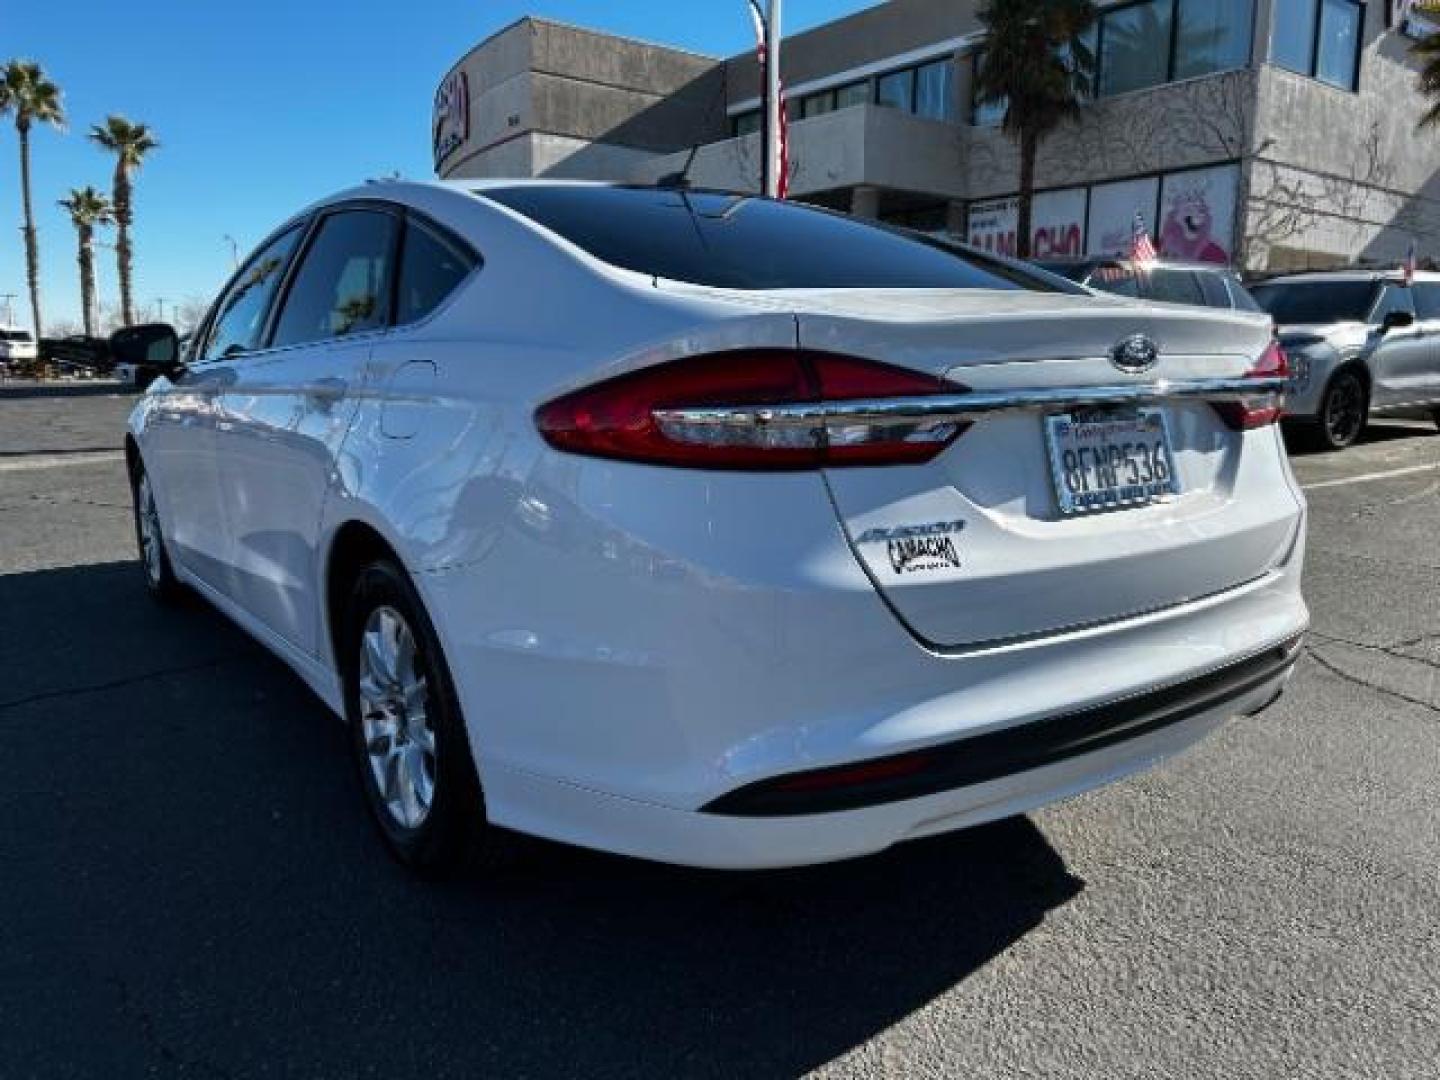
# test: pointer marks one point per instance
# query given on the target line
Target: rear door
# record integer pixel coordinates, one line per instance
(284, 412)
(998, 557)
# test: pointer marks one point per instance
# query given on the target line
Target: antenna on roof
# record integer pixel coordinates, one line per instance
(680, 179)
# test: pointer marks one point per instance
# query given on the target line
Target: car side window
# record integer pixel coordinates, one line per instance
(342, 286)
(239, 317)
(1241, 297)
(1174, 287)
(1213, 287)
(1392, 298)
(430, 269)
(1427, 300)
(1114, 278)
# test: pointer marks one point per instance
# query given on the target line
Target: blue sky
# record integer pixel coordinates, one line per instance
(261, 107)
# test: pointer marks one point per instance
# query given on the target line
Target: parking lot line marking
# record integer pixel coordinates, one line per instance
(1366, 478)
(56, 461)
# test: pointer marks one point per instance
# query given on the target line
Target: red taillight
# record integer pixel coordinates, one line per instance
(648, 415)
(1265, 407)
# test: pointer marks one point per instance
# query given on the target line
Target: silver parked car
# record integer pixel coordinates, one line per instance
(1360, 343)
(1198, 284)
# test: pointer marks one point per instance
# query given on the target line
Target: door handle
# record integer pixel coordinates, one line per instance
(329, 389)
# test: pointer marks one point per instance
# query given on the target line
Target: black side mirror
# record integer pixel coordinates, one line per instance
(153, 345)
(1396, 320)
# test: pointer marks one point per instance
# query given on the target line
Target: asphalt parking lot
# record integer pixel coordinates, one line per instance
(189, 886)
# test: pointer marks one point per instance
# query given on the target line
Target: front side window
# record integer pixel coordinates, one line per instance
(935, 90)
(1320, 39)
(240, 316)
(740, 242)
(343, 284)
(1427, 300)
(1135, 47)
(430, 270)
(1394, 298)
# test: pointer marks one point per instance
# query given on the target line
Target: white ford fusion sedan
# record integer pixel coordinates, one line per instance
(718, 530)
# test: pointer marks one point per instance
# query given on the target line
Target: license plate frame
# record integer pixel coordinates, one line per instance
(1135, 475)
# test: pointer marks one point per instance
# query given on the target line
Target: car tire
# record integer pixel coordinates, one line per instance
(407, 732)
(160, 580)
(1344, 411)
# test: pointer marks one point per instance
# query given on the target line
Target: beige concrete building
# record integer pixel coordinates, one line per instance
(1272, 133)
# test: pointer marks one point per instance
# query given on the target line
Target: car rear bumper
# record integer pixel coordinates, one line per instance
(628, 655)
(713, 839)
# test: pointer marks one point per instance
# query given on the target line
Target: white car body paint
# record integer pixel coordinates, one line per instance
(632, 642)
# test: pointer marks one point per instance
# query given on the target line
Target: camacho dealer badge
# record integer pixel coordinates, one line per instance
(917, 548)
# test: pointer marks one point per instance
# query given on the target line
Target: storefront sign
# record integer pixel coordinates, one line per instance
(1059, 224)
(452, 116)
(993, 225)
(1197, 214)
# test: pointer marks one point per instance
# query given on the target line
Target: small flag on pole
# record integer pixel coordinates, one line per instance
(1142, 250)
(1410, 263)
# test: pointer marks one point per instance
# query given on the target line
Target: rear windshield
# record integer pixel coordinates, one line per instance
(1317, 301)
(15, 335)
(742, 242)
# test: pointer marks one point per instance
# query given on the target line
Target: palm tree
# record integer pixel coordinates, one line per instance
(88, 208)
(26, 91)
(1039, 65)
(129, 142)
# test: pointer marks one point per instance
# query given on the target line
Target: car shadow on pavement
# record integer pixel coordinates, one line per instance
(191, 886)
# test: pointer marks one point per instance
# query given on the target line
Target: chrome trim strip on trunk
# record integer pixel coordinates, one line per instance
(967, 406)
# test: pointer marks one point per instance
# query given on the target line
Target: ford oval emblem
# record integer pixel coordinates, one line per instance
(1136, 354)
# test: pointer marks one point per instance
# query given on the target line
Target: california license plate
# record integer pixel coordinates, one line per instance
(1109, 460)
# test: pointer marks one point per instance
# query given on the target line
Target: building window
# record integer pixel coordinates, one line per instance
(1337, 59)
(896, 90)
(1135, 46)
(935, 90)
(817, 104)
(989, 113)
(1319, 38)
(856, 93)
(747, 123)
(1153, 42)
(1213, 35)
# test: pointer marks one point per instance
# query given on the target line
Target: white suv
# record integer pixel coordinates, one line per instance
(16, 344)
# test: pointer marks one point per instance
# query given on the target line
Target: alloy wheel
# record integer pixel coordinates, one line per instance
(1345, 410)
(394, 712)
(148, 519)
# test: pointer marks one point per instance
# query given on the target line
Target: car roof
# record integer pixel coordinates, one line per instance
(1123, 260)
(1315, 276)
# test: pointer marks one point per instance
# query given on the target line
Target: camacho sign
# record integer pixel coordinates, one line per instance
(452, 116)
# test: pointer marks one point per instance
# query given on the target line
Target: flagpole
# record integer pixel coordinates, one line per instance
(772, 100)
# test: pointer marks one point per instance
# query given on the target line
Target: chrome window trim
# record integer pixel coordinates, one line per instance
(968, 406)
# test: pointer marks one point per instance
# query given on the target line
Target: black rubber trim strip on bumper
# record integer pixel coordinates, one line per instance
(1004, 753)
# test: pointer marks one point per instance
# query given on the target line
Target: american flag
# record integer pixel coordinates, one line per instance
(1142, 250)
(782, 178)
